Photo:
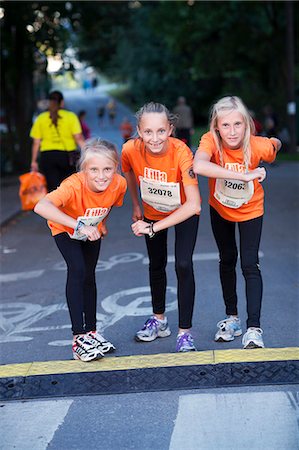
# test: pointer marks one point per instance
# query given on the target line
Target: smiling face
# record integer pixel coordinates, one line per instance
(231, 128)
(154, 129)
(99, 171)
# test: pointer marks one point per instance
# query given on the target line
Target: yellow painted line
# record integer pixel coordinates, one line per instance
(149, 361)
(256, 355)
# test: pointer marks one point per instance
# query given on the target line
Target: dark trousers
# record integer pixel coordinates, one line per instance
(185, 239)
(81, 291)
(55, 165)
(250, 235)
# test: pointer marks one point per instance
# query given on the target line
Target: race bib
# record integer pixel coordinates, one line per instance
(162, 196)
(93, 217)
(233, 193)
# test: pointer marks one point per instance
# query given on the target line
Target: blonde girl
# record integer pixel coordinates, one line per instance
(230, 155)
(77, 212)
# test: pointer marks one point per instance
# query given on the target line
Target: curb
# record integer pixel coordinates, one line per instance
(145, 373)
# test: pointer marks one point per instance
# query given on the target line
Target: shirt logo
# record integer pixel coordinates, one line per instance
(155, 174)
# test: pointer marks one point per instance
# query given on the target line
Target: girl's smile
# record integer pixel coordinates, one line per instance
(155, 129)
(99, 171)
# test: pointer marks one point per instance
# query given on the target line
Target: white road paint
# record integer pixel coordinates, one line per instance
(17, 319)
(247, 421)
(31, 425)
(123, 258)
(12, 277)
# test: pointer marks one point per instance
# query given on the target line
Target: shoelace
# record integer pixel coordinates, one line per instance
(151, 323)
(184, 339)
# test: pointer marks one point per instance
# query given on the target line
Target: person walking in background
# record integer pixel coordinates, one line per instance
(184, 125)
(77, 212)
(111, 109)
(126, 129)
(230, 154)
(84, 126)
(101, 114)
(56, 134)
(162, 166)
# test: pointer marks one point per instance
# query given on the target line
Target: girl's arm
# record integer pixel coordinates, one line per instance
(203, 166)
(184, 212)
(49, 211)
(276, 143)
(132, 186)
(34, 154)
(79, 139)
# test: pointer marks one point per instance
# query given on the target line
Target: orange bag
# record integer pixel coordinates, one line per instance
(33, 188)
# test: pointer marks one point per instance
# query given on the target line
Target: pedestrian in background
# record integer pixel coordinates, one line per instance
(184, 124)
(84, 126)
(162, 166)
(56, 134)
(101, 114)
(230, 155)
(111, 110)
(126, 129)
(77, 212)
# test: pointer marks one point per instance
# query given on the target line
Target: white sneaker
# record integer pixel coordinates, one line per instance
(100, 342)
(152, 329)
(229, 328)
(253, 338)
(84, 350)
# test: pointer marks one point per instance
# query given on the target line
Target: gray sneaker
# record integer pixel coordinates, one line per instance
(153, 328)
(228, 329)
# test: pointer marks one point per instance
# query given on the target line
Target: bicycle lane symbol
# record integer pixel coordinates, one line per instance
(16, 319)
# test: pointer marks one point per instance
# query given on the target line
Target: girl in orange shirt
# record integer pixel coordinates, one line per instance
(162, 167)
(229, 154)
(77, 211)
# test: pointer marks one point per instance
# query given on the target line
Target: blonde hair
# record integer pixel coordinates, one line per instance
(98, 147)
(225, 106)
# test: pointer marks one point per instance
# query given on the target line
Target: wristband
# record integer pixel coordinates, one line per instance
(151, 232)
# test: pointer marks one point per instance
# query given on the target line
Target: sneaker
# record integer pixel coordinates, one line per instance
(153, 328)
(184, 343)
(84, 350)
(229, 328)
(100, 342)
(253, 338)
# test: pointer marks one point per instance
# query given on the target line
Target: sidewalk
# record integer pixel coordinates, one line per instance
(10, 204)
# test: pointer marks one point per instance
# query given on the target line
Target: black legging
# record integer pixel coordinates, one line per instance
(250, 236)
(185, 239)
(81, 291)
(55, 165)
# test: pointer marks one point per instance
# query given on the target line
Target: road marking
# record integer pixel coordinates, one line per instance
(123, 258)
(16, 319)
(31, 432)
(11, 277)
(253, 420)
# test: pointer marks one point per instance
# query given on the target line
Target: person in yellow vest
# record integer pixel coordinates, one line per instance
(56, 133)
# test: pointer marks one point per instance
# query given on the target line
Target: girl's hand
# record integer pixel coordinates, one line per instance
(92, 233)
(259, 173)
(104, 231)
(140, 228)
(34, 167)
(137, 213)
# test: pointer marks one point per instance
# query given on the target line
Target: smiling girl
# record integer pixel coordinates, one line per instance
(230, 154)
(77, 212)
(162, 167)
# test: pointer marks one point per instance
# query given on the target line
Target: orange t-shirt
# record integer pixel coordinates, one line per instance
(74, 198)
(261, 150)
(174, 166)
